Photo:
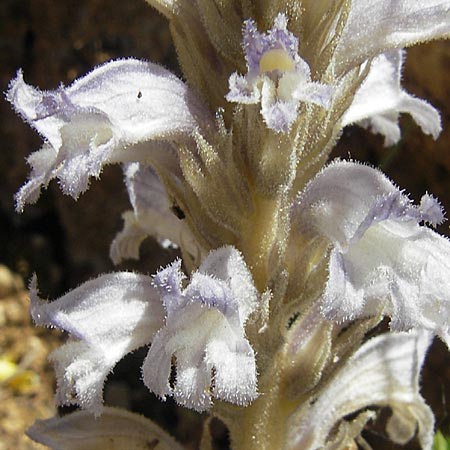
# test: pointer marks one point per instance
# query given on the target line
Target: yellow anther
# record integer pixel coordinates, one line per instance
(276, 59)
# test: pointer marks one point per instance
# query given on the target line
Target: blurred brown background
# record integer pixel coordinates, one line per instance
(67, 242)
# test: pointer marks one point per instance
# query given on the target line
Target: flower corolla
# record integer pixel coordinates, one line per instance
(382, 261)
(201, 325)
(101, 118)
(277, 77)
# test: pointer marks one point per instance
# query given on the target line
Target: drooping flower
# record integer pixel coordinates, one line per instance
(277, 77)
(152, 215)
(203, 328)
(382, 261)
(101, 118)
(383, 372)
(380, 100)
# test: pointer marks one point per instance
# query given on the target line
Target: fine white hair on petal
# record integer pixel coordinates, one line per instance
(382, 261)
(431, 210)
(344, 199)
(204, 331)
(382, 25)
(91, 122)
(380, 100)
(277, 76)
(383, 372)
(106, 318)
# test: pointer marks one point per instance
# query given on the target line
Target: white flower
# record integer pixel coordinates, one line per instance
(203, 328)
(372, 28)
(380, 100)
(276, 76)
(153, 215)
(375, 34)
(99, 119)
(383, 372)
(381, 259)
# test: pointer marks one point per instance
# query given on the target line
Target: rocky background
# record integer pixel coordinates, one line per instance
(66, 243)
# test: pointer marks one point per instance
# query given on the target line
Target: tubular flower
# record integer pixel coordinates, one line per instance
(383, 372)
(101, 118)
(202, 325)
(381, 259)
(277, 77)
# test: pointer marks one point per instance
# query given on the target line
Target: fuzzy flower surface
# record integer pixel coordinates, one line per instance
(380, 100)
(382, 260)
(277, 77)
(201, 324)
(101, 118)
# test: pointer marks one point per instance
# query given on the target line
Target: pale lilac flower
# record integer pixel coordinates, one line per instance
(152, 215)
(277, 77)
(382, 261)
(375, 27)
(101, 118)
(204, 330)
(202, 325)
(383, 372)
(380, 100)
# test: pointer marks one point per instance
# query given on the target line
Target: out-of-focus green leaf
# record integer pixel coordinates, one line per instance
(441, 442)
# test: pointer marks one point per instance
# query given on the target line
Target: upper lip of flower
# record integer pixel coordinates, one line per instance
(90, 123)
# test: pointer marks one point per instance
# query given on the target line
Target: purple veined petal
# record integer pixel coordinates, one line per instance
(169, 282)
(382, 261)
(380, 99)
(345, 198)
(213, 293)
(92, 121)
(384, 25)
(280, 37)
(383, 372)
(227, 264)
(205, 332)
(106, 318)
(398, 269)
(254, 44)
